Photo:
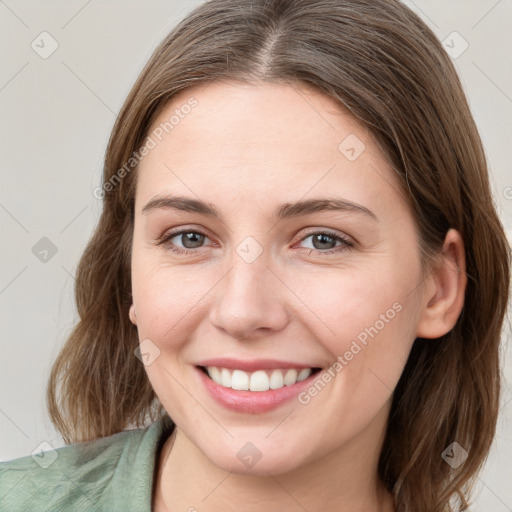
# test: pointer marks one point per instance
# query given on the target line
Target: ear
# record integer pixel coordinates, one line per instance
(444, 289)
(133, 316)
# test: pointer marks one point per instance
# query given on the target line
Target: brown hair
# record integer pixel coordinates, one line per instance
(382, 63)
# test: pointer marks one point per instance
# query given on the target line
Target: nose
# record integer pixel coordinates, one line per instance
(249, 300)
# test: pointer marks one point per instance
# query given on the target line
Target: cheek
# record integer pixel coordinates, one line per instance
(355, 303)
(167, 299)
(367, 324)
(168, 304)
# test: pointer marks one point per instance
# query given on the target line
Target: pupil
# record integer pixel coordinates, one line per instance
(189, 238)
(322, 239)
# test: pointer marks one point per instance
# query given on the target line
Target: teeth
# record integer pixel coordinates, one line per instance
(304, 374)
(240, 380)
(225, 378)
(290, 377)
(260, 380)
(214, 373)
(276, 380)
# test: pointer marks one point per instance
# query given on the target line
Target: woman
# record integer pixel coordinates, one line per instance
(281, 373)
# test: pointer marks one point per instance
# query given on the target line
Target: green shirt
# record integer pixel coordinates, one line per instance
(108, 474)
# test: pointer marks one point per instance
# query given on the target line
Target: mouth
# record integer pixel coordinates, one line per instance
(260, 388)
(260, 380)
(254, 385)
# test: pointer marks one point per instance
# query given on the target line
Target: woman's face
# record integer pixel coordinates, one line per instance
(298, 251)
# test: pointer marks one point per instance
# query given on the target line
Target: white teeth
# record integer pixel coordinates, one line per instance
(276, 379)
(290, 377)
(259, 380)
(304, 374)
(214, 374)
(225, 378)
(240, 380)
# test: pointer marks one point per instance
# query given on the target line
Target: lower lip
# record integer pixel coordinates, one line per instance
(253, 401)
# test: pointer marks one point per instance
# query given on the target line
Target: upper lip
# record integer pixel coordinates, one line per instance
(251, 365)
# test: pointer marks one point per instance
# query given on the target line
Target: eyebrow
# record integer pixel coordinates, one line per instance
(283, 211)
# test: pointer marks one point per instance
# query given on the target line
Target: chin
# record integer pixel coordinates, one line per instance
(263, 467)
(258, 458)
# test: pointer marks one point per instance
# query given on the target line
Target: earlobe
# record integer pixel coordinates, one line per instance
(133, 316)
(444, 289)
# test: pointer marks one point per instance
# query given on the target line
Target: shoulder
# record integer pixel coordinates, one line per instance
(92, 475)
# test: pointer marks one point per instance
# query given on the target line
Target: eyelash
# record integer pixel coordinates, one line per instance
(346, 243)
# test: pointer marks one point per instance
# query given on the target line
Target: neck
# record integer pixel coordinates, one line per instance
(344, 480)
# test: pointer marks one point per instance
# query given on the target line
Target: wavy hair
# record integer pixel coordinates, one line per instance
(383, 64)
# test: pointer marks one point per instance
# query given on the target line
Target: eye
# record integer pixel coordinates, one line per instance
(191, 241)
(322, 242)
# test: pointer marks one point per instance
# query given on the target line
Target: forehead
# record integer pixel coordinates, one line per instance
(236, 114)
(267, 139)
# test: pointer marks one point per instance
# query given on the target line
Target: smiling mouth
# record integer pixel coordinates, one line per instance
(259, 380)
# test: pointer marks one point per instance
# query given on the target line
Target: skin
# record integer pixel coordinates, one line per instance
(246, 149)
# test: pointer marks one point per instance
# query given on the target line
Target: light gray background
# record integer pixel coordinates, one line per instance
(56, 116)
